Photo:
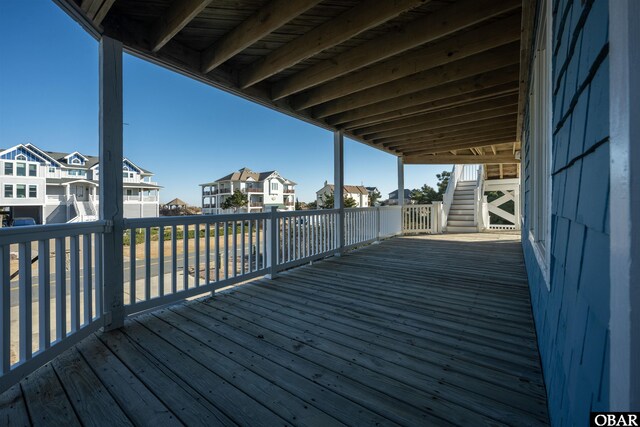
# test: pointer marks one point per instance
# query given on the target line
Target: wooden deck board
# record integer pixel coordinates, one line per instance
(423, 330)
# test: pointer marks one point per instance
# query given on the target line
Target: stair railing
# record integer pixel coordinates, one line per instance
(447, 198)
(479, 200)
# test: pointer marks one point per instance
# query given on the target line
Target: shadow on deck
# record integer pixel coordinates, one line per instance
(428, 330)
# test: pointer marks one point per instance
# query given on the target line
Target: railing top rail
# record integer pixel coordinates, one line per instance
(365, 209)
(283, 214)
(42, 232)
(192, 219)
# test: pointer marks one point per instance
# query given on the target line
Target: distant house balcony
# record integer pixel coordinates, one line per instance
(289, 190)
(256, 204)
(254, 190)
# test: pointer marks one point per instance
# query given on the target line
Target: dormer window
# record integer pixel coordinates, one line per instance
(274, 186)
(76, 161)
(21, 157)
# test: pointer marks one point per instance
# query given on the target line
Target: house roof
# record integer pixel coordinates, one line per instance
(350, 189)
(413, 78)
(61, 158)
(394, 194)
(176, 202)
(245, 174)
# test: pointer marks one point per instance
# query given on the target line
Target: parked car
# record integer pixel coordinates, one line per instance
(21, 222)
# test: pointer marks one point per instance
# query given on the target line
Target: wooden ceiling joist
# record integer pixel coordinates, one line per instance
(437, 135)
(474, 107)
(435, 124)
(266, 20)
(405, 76)
(461, 129)
(445, 139)
(460, 145)
(441, 104)
(482, 81)
(487, 61)
(481, 39)
(179, 14)
(367, 14)
(441, 23)
(443, 159)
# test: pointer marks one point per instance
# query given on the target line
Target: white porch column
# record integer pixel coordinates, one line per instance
(400, 181)
(111, 193)
(67, 194)
(338, 186)
(624, 205)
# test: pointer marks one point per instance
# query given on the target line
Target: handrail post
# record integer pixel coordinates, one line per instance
(377, 225)
(111, 204)
(436, 217)
(338, 189)
(272, 243)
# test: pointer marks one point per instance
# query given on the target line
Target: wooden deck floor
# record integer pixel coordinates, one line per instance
(430, 330)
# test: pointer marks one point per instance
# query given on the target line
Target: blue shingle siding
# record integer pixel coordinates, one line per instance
(571, 319)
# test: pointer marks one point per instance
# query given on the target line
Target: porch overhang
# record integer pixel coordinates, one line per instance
(430, 81)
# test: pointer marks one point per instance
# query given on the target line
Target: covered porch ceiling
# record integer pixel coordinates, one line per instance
(434, 81)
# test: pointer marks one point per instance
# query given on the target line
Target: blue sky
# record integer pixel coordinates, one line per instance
(185, 132)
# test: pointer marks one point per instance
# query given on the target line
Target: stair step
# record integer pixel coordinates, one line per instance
(462, 197)
(455, 223)
(458, 229)
(462, 204)
(466, 184)
(460, 217)
(460, 211)
(464, 193)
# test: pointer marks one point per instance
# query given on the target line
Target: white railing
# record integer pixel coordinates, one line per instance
(469, 172)
(166, 259)
(360, 226)
(421, 218)
(306, 236)
(61, 265)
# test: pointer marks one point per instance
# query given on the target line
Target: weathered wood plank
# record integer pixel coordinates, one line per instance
(182, 399)
(46, 400)
(90, 399)
(13, 410)
(135, 399)
(179, 14)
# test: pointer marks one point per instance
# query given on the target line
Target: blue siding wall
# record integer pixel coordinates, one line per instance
(572, 318)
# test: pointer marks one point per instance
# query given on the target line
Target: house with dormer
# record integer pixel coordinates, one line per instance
(263, 189)
(57, 187)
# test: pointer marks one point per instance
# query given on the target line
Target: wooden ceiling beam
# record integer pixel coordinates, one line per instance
(461, 129)
(461, 110)
(367, 14)
(448, 20)
(493, 59)
(481, 39)
(482, 81)
(434, 141)
(442, 159)
(177, 16)
(508, 111)
(454, 101)
(96, 10)
(458, 145)
(266, 20)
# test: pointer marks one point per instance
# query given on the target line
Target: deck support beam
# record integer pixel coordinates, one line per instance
(338, 186)
(111, 204)
(624, 107)
(400, 181)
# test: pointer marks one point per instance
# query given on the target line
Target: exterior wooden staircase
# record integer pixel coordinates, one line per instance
(461, 214)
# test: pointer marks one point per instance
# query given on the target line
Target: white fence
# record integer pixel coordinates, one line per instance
(166, 259)
(422, 218)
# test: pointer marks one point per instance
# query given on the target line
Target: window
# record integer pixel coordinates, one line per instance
(33, 191)
(274, 186)
(76, 161)
(8, 168)
(8, 191)
(129, 192)
(540, 143)
(21, 157)
(52, 169)
(21, 191)
(33, 170)
(21, 169)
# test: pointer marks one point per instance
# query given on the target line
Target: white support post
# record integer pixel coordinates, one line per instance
(272, 243)
(338, 179)
(436, 217)
(111, 205)
(400, 181)
(377, 224)
(624, 205)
